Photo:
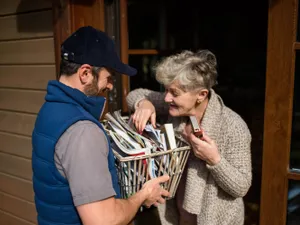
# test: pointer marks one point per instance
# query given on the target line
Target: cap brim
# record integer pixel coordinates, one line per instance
(125, 69)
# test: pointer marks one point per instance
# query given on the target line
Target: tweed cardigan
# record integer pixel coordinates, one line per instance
(213, 193)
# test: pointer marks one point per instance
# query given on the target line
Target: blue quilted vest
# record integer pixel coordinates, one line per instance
(64, 106)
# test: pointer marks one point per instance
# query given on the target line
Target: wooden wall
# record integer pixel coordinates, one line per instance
(26, 64)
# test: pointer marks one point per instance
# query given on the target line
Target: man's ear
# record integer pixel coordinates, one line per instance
(202, 95)
(84, 73)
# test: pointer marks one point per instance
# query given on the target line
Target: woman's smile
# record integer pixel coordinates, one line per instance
(173, 106)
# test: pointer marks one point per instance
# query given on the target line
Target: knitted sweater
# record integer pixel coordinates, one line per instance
(213, 193)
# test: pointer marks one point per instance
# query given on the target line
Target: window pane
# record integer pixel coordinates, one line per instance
(293, 210)
(145, 77)
(295, 142)
(173, 25)
(143, 26)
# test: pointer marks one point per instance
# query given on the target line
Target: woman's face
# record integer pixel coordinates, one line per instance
(181, 103)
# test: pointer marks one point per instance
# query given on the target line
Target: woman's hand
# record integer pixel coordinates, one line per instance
(205, 149)
(144, 111)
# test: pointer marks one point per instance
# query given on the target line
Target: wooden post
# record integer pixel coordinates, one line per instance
(278, 111)
(62, 27)
(124, 50)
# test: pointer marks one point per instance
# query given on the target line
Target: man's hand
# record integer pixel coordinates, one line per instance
(144, 111)
(154, 192)
(120, 211)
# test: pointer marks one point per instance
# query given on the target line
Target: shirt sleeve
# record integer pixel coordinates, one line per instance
(82, 152)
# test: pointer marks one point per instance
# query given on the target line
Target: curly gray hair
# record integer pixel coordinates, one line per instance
(193, 71)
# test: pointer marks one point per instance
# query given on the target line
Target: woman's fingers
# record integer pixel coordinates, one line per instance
(153, 119)
(136, 119)
(147, 114)
(142, 124)
(194, 139)
(207, 139)
(142, 115)
(140, 119)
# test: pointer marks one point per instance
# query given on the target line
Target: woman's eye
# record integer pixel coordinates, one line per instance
(172, 92)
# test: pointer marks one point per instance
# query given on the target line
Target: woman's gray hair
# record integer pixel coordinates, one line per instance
(193, 71)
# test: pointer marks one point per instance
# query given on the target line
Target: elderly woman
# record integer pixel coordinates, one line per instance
(218, 173)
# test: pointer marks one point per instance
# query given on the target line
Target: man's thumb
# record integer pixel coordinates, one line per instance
(163, 178)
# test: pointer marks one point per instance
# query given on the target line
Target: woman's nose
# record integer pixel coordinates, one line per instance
(168, 97)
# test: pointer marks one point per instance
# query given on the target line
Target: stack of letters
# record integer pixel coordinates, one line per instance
(129, 142)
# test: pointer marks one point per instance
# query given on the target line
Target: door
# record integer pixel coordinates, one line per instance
(235, 32)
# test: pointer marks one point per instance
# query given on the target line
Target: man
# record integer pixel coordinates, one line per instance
(74, 175)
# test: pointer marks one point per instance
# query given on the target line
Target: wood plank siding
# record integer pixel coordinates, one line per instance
(27, 63)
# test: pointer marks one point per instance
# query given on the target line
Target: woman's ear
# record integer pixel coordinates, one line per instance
(202, 95)
(84, 73)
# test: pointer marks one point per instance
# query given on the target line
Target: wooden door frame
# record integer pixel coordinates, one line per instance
(69, 15)
(282, 25)
(124, 51)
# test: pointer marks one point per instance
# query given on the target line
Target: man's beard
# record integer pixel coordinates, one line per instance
(92, 89)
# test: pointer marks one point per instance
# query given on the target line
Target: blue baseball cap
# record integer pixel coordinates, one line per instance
(90, 46)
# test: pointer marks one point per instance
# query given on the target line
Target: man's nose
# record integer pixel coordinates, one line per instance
(110, 86)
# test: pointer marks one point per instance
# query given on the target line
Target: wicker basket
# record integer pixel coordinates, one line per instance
(133, 171)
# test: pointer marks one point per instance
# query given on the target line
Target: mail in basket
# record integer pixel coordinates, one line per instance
(140, 157)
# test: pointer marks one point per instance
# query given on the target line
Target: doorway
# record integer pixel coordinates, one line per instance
(235, 31)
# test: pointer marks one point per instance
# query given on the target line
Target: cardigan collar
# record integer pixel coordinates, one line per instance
(210, 122)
